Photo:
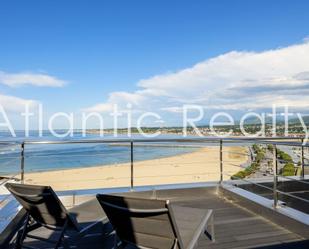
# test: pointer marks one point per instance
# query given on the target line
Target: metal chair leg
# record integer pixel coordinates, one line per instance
(61, 236)
(118, 243)
(175, 244)
(22, 234)
(212, 228)
(115, 241)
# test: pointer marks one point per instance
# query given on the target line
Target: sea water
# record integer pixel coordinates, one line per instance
(47, 157)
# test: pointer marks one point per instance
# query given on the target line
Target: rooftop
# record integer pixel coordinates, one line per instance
(235, 225)
(267, 212)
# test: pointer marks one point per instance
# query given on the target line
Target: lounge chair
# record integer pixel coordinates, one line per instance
(45, 210)
(148, 223)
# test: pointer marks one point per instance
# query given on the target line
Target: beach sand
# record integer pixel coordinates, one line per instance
(198, 166)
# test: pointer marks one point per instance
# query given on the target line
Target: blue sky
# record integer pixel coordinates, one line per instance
(96, 48)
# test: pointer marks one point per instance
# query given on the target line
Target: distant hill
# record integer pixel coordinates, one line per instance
(256, 121)
(280, 120)
(295, 121)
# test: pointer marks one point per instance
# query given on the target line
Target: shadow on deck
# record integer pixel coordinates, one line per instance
(235, 226)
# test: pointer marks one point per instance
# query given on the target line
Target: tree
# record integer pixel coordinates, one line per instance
(270, 147)
(288, 170)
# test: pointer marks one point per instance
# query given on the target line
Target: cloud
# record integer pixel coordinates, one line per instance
(105, 107)
(238, 80)
(34, 79)
(173, 109)
(306, 39)
(15, 104)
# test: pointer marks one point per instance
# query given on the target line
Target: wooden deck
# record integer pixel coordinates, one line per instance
(235, 227)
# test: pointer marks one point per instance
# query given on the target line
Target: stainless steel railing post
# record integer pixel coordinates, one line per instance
(22, 163)
(221, 161)
(275, 172)
(132, 167)
(74, 199)
(302, 160)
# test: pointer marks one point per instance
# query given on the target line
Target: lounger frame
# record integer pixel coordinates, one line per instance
(32, 222)
(168, 210)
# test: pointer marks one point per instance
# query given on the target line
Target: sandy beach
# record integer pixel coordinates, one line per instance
(198, 166)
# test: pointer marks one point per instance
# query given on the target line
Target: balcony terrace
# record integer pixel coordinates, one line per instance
(268, 211)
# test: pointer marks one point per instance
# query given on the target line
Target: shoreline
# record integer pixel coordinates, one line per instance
(115, 164)
(198, 166)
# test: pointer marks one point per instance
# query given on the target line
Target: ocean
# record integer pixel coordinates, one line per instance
(46, 157)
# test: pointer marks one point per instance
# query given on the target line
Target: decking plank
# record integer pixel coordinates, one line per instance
(235, 227)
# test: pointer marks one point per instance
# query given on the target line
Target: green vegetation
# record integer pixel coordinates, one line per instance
(284, 156)
(260, 154)
(270, 147)
(288, 170)
(239, 175)
(255, 147)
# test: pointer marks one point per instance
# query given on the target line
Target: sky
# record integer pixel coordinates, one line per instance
(85, 56)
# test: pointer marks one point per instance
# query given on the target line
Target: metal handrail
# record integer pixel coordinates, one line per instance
(292, 179)
(252, 182)
(260, 140)
(271, 189)
(219, 141)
